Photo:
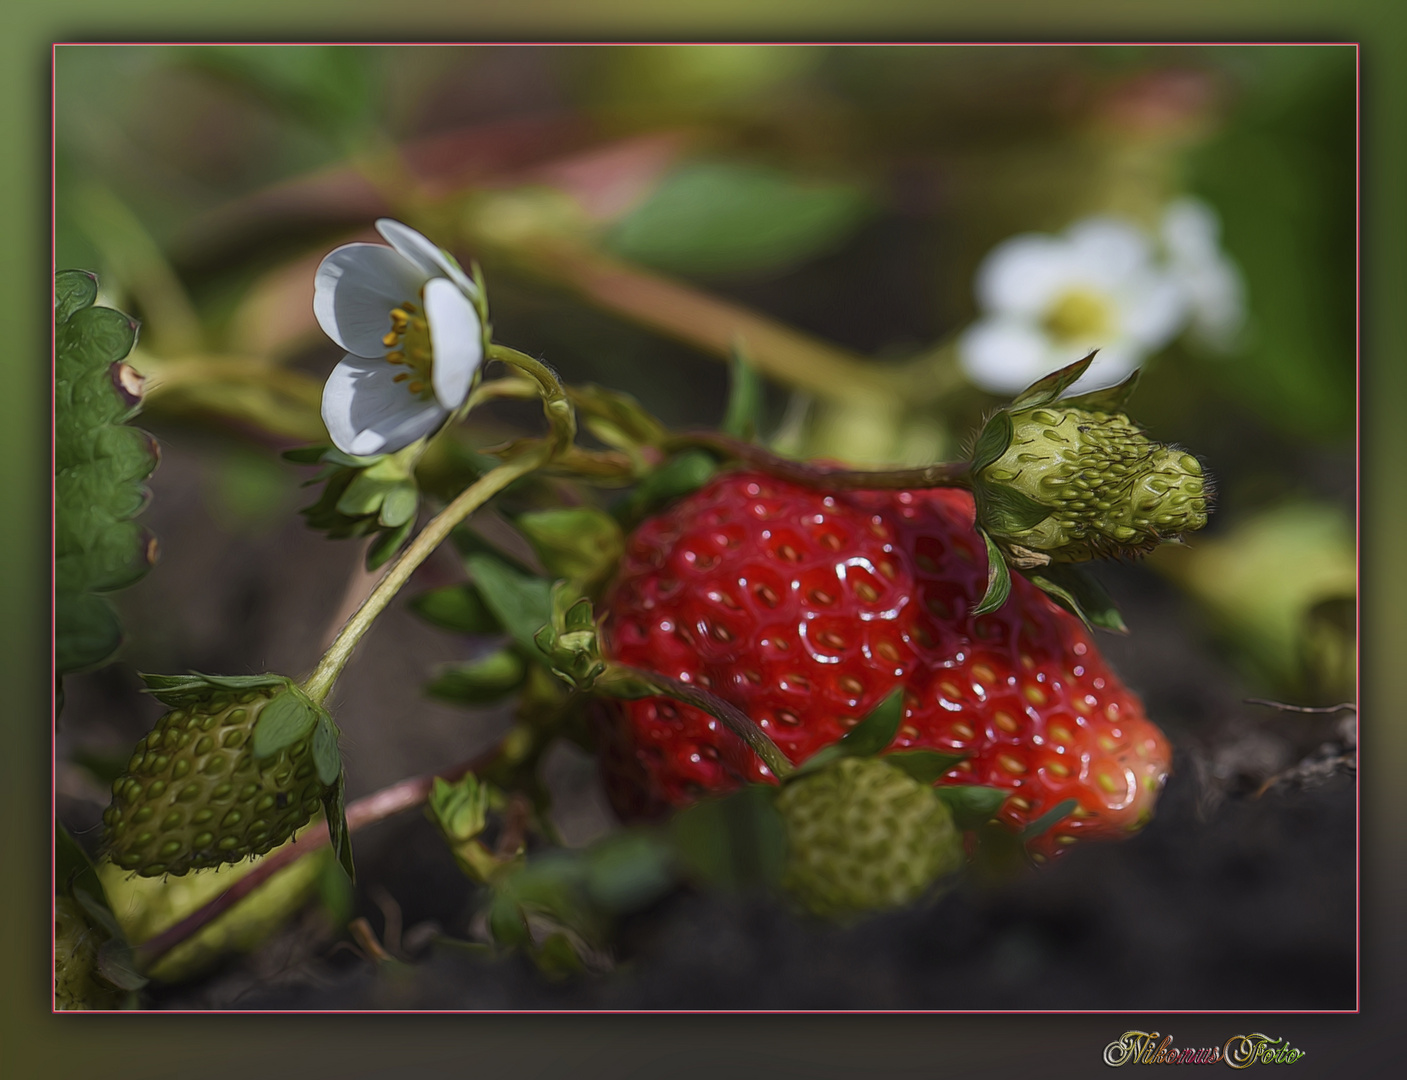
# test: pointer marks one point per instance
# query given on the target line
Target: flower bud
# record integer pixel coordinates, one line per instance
(206, 786)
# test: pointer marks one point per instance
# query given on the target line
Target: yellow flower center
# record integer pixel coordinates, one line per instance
(408, 343)
(1079, 315)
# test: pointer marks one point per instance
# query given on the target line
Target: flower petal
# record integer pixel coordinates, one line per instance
(1006, 355)
(456, 340)
(367, 412)
(424, 254)
(355, 289)
(1022, 275)
(1109, 250)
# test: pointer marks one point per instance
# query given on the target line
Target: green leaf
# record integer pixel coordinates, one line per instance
(482, 682)
(1008, 512)
(335, 809)
(579, 543)
(1044, 391)
(98, 468)
(520, 602)
(725, 217)
(74, 290)
(971, 805)
(284, 721)
(327, 755)
(459, 608)
(629, 870)
(993, 441)
(86, 631)
(1051, 817)
(745, 396)
(736, 842)
(507, 923)
(998, 579)
(1080, 593)
(925, 766)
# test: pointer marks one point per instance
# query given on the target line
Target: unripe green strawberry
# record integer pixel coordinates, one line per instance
(864, 836)
(77, 984)
(196, 794)
(145, 907)
(1066, 481)
(1109, 489)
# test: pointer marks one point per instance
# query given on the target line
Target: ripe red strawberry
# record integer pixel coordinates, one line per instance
(805, 609)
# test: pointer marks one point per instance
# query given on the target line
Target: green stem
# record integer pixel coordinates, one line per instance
(736, 721)
(319, 684)
(554, 399)
(944, 474)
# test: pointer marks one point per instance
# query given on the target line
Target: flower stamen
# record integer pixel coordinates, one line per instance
(408, 342)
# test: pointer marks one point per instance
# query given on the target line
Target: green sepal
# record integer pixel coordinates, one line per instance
(118, 965)
(457, 608)
(522, 603)
(682, 474)
(1049, 819)
(617, 419)
(1080, 593)
(327, 755)
(74, 290)
(306, 455)
(925, 766)
(1111, 399)
(993, 442)
(870, 736)
(972, 805)
(285, 721)
(507, 923)
(482, 682)
(335, 810)
(73, 870)
(1044, 391)
(1008, 512)
(998, 579)
(745, 396)
(735, 842)
(179, 690)
(399, 505)
(388, 543)
(365, 494)
(579, 543)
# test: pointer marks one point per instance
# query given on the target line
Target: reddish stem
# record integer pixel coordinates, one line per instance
(943, 474)
(402, 795)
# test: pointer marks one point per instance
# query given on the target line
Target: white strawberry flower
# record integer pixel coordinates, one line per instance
(1211, 282)
(408, 317)
(1047, 300)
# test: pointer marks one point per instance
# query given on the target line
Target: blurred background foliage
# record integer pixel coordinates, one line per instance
(638, 210)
